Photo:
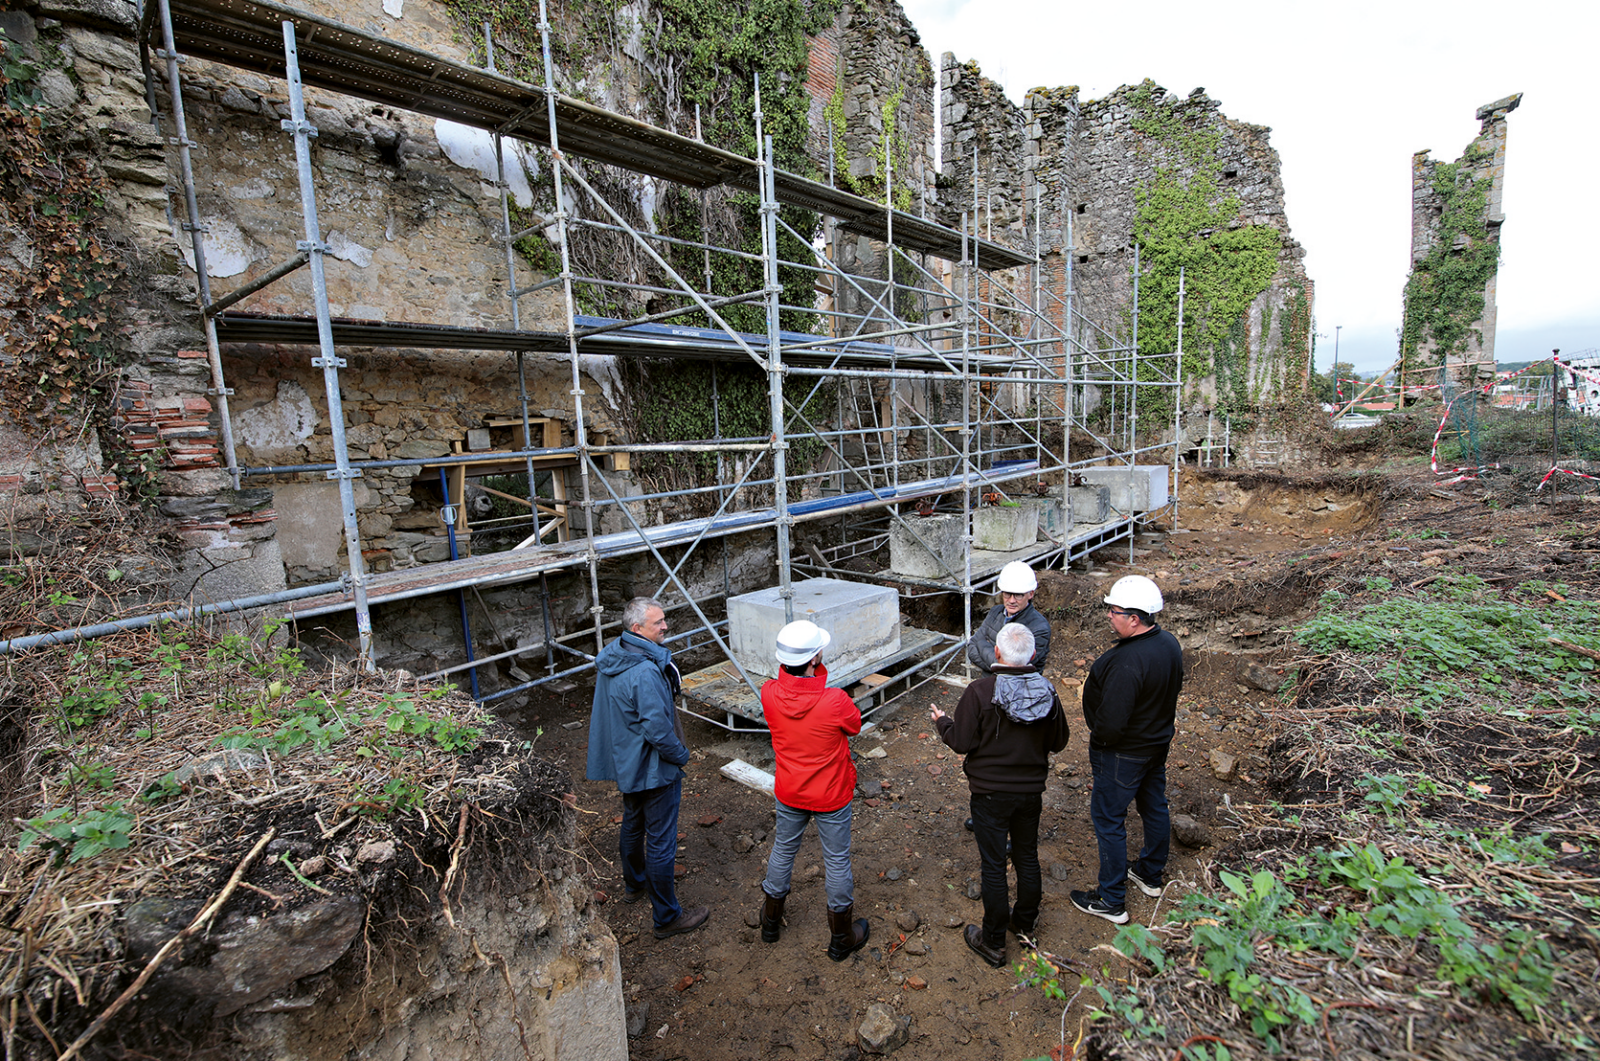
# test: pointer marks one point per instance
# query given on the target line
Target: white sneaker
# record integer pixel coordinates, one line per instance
(1154, 891)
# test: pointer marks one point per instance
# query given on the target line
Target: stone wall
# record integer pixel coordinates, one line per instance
(1059, 165)
(1483, 160)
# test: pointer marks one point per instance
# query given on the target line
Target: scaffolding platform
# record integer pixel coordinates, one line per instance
(519, 565)
(619, 340)
(248, 35)
(722, 692)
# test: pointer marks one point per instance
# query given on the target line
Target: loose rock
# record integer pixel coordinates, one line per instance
(376, 851)
(882, 1032)
(1059, 870)
(638, 1017)
(974, 889)
(908, 921)
(1189, 832)
(1224, 766)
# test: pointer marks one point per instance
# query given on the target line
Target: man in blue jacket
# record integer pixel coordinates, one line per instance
(636, 740)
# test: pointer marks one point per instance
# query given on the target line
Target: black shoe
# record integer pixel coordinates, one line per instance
(1091, 903)
(687, 921)
(630, 897)
(1152, 890)
(974, 937)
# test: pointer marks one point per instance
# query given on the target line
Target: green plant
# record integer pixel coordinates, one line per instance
(91, 775)
(1391, 793)
(77, 836)
(1128, 1008)
(398, 795)
(1226, 930)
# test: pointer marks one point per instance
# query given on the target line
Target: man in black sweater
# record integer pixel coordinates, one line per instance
(1007, 723)
(1130, 703)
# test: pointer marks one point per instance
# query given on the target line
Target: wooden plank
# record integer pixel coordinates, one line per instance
(750, 776)
(558, 487)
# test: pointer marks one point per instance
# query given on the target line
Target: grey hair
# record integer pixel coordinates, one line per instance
(1015, 643)
(634, 611)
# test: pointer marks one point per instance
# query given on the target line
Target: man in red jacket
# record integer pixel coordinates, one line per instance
(811, 728)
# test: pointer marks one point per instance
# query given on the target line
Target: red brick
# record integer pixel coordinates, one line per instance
(193, 355)
(197, 405)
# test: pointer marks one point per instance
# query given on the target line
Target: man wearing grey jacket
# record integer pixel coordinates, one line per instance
(636, 740)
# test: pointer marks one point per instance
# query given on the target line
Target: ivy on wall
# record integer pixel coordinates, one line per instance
(1185, 221)
(1444, 296)
(891, 144)
(671, 401)
(61, 359)
(695, 52)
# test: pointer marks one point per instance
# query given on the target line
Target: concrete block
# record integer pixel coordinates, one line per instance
(1088, 504)
(1052, 515)
(1005, 528)
(908, 556)
(864, 622)
(1140, 488)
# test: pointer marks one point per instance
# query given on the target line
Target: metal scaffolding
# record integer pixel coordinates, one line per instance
(893, 346)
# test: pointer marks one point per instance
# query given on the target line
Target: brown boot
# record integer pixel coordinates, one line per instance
(772, 917)
(848, 936)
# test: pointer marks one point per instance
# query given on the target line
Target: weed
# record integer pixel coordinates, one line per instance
(76, 837)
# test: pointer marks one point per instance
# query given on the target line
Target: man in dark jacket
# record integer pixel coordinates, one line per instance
(636, 740)
(1016, 584)
(1130, 703)
(1007, 723)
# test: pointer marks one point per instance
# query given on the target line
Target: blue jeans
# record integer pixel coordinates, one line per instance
(649, 846)
(1118, 781)
(833, 829)
(994, 816)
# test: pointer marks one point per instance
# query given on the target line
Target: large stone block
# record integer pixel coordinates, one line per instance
(1088, 504)
(1005, 528)
(864, 622)
(1052, 515)
(1139, 488)
(942, 535)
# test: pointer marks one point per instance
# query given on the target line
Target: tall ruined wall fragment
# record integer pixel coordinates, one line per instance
(1449, 320)
(1190, 187)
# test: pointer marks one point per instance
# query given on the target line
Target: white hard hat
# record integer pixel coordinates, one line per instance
(1135, 591)
(799, 643)
(1017, 577)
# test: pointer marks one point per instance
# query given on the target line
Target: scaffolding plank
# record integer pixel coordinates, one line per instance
(638, 340)
(248, 34)
(750, 776)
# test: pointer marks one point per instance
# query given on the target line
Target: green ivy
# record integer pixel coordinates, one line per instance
(1184, 221)
(671, 402)
(1444, 297)
(701, 52)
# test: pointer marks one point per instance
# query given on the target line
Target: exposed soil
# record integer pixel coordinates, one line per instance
(1246, 563)
(721, 993)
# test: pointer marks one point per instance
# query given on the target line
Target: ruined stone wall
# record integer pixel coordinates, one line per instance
(872, 59)
(1456, 212)
(1081, 166)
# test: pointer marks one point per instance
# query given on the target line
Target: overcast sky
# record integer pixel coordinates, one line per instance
(1351, 91)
